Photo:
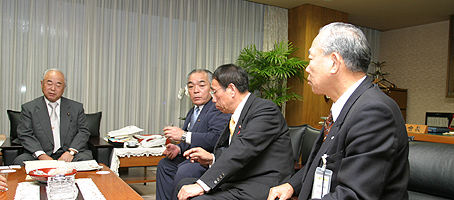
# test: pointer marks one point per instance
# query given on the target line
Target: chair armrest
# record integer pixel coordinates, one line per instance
(101, 150)
(10, 151)
(99, 142)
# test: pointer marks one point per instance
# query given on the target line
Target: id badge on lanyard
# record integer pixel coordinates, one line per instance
(322, 180)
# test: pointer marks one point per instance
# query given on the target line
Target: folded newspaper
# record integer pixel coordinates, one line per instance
(128, 130)
(87, 165)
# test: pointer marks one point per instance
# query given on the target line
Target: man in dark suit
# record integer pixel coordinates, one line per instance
(366, 146)
(251, 154)
(202, 127)
(53, 127)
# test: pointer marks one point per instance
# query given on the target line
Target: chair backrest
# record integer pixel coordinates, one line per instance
(296, 138)
(93, 123)
(310, 135)
(14, 120)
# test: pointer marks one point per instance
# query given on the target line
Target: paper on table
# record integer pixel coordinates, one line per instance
(87, 165)
(128, 130)
(38, 164)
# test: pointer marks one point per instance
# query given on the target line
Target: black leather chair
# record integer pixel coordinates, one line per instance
(302, 138)
(101, 150)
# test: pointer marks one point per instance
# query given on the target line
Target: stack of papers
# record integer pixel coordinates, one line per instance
(124, 132)
(87, 165)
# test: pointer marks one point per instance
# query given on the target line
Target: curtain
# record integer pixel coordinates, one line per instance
(373, 37)
(127, 59)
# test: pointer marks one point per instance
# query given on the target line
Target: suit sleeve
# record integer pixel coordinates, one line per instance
(25, 131)
(260, 128)
(217, 121)
(82, 133)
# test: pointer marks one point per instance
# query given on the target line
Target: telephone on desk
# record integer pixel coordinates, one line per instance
(151, 140)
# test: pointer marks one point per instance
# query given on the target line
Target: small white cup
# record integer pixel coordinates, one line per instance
(132, 143)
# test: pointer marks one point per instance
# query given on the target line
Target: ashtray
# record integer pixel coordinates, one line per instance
(135, 146)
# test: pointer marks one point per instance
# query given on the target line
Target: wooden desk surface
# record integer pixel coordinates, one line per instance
(432, 138)
(110, 185)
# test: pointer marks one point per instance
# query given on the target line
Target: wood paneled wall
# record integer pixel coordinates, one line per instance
(304, 24)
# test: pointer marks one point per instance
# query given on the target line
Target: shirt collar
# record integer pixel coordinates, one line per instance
(337, 106)
(47, 101)
(237, 113)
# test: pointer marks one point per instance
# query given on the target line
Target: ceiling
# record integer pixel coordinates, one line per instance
(383, 15)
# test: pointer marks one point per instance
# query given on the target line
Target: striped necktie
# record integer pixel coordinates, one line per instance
(194, 117)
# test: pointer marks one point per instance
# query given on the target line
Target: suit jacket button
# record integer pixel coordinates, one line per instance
(215, 182)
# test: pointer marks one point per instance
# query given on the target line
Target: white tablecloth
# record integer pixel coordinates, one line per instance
(128, 152)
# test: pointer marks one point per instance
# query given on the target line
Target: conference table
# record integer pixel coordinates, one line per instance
(110, 185)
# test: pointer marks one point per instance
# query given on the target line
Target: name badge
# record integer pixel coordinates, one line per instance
(322, 180)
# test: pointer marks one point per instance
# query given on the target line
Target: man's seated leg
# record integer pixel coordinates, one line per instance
(187, 169)
(165, 172)
(244, 190)
(83, 155)
(19, 160)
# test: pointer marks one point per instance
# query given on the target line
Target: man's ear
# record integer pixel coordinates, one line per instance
(337, 60)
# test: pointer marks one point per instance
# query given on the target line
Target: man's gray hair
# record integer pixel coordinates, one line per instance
(350, 42)
(55, 69)
(208, 72)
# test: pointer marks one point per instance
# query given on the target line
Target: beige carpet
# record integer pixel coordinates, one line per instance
(148, 191)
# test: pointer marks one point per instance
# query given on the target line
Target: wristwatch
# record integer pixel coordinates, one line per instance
(183, 137)
(71, 152)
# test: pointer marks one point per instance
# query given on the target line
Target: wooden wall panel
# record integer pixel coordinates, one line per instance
(304, 24)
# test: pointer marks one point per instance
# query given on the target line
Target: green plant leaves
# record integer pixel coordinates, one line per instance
(269, 71)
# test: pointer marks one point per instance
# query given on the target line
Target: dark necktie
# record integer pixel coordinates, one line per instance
(327, 126)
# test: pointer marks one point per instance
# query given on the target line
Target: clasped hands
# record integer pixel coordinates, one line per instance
(67, 157)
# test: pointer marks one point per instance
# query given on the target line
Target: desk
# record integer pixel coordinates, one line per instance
(432, 138)
(136, 157)
(110, 185)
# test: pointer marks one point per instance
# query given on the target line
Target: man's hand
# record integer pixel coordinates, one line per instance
(171, 151)
(3, 185)
(284, 191)
(199, 155)
(66, 157)
(44, 157)
(173, 133)
(189, 191)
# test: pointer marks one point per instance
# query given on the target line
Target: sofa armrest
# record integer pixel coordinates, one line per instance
(10, 151)
(101, 150)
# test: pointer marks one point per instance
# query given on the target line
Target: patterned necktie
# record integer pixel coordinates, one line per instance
(55, 125)
(231, 126)
(195, 114)
(328, 124)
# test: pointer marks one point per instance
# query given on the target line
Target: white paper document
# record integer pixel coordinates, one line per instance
(128, 130)
(87, 165)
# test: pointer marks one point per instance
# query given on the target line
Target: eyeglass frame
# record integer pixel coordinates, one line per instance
(214, 92)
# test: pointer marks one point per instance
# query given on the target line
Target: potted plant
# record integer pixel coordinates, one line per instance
(270, 70)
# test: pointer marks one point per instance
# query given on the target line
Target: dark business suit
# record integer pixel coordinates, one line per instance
(35, 131)
(205, 133)
(258, 157)
(367, 148)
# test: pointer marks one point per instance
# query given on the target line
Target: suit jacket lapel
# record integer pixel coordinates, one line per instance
(65, 118)
(245, 110)
(201, 114)
(322, 147)
(43, 115)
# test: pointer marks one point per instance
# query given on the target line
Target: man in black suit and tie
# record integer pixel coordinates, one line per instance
(53, 127)
(364, 154)
(202, 127)
(251, 155)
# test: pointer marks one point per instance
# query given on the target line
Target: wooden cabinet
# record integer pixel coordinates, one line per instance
(400, 97)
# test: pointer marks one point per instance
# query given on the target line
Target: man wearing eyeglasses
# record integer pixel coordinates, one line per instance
(251, 155)
(202, 127)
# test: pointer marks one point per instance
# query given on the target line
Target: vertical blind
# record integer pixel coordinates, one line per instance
(127, 59)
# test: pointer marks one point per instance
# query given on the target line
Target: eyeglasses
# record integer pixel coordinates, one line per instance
(214, 92)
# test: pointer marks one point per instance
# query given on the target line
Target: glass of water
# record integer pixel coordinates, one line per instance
(61, 187)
